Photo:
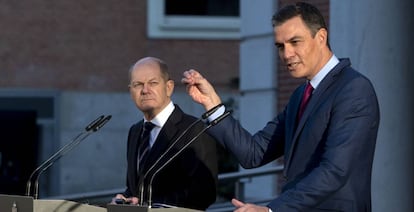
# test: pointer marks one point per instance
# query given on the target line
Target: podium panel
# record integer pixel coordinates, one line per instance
(22, 203)
(136, 208)
(27, 204)
(64, 206)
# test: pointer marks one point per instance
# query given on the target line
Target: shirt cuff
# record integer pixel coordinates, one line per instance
(217, 113)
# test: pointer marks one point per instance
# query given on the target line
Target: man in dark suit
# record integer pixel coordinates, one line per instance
(328, 151)
(190, 179)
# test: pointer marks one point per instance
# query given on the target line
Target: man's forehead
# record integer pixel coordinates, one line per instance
(291, 29)
(146, 64)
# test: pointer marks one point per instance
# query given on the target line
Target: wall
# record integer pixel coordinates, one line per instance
(375, 36)
(89, 46)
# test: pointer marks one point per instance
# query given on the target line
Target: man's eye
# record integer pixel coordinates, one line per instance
(136, 85)
(279, 46)
(295, 42)
(153, 83)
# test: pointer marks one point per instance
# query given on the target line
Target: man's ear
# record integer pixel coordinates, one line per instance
(170, 87)
(322, 36)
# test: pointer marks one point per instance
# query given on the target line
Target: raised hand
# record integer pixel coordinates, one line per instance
(200, 89)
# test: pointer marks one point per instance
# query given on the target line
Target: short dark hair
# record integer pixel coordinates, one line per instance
(310, 15)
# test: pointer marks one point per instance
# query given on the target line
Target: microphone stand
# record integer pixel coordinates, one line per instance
(91, 128)
(142, 180)
(212, 123)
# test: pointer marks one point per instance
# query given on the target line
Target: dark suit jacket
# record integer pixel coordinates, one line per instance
(190, 180)
(328, 155)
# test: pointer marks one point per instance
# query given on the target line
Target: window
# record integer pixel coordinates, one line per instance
(21, 106)
(194, 19)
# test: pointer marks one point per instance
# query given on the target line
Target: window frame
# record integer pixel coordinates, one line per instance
(160, 25)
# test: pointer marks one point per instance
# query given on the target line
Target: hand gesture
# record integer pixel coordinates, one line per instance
(200, 89)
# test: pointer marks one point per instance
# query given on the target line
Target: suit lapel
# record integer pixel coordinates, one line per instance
(291, 132)
(291, 122)
(165, 138)
(136, 132)
(318, 96)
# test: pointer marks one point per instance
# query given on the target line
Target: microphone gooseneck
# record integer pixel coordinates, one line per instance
(141, 185)
(211, 111)
(89, 129)
(142, 180)
(212, 123)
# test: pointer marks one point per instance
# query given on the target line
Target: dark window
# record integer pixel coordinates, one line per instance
(18, 149)
(202, 7)
(43, 105)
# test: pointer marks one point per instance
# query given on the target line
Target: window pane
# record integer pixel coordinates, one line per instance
(202, 7)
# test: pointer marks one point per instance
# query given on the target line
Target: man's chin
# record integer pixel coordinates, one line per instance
(146, 108)
(295, 74)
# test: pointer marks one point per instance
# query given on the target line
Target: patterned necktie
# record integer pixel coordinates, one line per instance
(305, 99)
(145, 144)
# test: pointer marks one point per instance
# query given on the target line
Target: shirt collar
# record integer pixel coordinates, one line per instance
(324, 71)
(162, 117)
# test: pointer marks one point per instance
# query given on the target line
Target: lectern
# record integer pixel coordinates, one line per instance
(28, 204)
(135, 208)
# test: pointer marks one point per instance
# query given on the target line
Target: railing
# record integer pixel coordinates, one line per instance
(103, 197)
(240, 178)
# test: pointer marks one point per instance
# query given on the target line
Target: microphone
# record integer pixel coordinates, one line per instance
(203, 117)
(212, 123)
(211, 111)
(89, 129)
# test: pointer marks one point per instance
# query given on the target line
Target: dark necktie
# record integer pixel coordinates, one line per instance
(305, 99)
(144, 148)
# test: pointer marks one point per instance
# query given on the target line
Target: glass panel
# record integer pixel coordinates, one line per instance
(202, 7)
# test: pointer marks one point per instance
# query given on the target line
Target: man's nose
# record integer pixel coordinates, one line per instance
(288, 52)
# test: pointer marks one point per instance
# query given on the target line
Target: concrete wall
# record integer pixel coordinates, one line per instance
(99, 162)
(376, 36)
(258, 81)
